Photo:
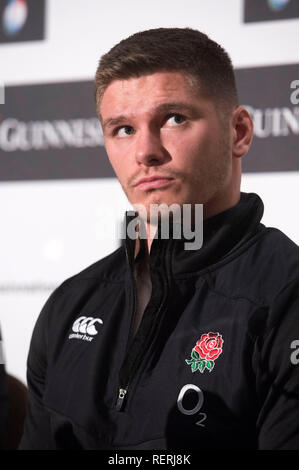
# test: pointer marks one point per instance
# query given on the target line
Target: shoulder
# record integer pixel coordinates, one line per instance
(277, 258)
(263, 269)
(92, 280)
(279, 242)
(109, 269)
(279, 253)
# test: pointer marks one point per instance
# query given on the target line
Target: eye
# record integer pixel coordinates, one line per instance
(175, 119)
(123, 131)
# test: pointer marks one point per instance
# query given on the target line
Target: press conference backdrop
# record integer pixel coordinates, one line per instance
(61, 204)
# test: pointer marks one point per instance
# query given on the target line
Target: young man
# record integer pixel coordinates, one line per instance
(156, 346)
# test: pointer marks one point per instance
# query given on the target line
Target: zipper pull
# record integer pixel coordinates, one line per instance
(120, 400)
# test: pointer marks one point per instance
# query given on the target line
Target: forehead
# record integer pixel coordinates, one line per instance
(147, 91)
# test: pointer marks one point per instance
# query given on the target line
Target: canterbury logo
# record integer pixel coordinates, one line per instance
(86, 325)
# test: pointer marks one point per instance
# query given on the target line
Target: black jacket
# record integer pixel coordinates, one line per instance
(210, 366)
(3, 397)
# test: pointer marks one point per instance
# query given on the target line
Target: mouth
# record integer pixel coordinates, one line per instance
(153, 183)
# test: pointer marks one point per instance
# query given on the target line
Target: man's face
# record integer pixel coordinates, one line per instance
(159, 128)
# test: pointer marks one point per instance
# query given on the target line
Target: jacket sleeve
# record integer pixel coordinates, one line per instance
(37, 428)
(277, 361)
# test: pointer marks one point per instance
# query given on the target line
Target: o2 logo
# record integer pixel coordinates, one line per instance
(197, 407)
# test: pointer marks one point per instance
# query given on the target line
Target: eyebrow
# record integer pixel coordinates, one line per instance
(163, 107)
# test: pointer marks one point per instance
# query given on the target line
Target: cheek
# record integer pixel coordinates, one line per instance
(201, 145)
(201, 152)
(189, 147)
(116, 160)
(189, 158)
(121, 171)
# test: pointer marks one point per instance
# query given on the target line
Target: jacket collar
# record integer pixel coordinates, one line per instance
(223, 234)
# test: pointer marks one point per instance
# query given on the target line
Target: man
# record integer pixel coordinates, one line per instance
(157, 346)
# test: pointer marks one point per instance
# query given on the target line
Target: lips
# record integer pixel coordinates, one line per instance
(153, 182)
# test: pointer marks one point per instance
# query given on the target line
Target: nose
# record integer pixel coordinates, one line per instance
(149, 150)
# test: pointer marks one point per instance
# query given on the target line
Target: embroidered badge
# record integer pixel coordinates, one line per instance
(207, 349)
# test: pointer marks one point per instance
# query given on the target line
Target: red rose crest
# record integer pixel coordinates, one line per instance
(207, 349)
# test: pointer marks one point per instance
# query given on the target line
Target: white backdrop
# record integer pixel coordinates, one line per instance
(51, 230)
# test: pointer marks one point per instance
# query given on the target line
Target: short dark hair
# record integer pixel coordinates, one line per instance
(183, 50)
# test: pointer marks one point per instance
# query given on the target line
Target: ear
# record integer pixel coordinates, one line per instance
(242, 128)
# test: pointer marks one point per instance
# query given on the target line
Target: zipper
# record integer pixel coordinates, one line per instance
(122, 391)
(121, 397)
(125, 388)
(134, 299)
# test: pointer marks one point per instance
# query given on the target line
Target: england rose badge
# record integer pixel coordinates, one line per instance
(207, 349)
